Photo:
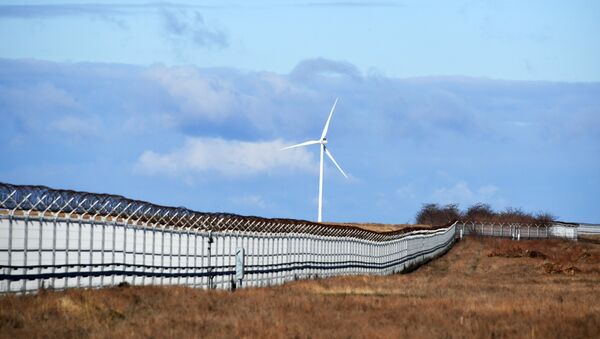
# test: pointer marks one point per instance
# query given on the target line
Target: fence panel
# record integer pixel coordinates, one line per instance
(518, 231)
(588, 229)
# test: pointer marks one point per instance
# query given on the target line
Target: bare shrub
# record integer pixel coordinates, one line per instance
(480, 212)
(545, 218)
(434, 214)
(515, 215)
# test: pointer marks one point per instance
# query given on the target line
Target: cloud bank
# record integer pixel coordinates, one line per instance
(226, 157)
(184, 133)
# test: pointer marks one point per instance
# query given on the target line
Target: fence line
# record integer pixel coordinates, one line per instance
(588, 229)
(43, 202)
(63, 239)
(518, 230)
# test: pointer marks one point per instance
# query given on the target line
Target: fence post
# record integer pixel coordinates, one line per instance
(10, 243)
(40, 244)
(210, 269)
(92, 224)
(283, 258)
(113, 249)
(79, 251)
(25, 249)
(171, 232)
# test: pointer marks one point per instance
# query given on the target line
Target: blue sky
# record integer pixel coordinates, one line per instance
(187, 105)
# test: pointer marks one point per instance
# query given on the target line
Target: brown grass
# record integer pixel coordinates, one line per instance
(483, 287)
(381, 228)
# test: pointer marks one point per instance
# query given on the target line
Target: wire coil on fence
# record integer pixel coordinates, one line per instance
(56, 203)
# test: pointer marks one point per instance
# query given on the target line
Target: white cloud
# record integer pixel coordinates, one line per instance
(462, 194)
(196, 94)
(258, 101)
(191, 26)
(226, 157)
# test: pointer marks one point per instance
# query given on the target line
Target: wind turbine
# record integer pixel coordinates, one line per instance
(322, 142)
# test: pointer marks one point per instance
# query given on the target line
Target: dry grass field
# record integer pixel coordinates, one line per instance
(381, 228)
(483, 287)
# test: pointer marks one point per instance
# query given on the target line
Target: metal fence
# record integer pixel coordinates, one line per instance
(517, 230)
(588, 229)
(62, 239)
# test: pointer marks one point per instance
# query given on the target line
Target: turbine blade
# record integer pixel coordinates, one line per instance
(306, 143)
(324, 134)
(335, 162)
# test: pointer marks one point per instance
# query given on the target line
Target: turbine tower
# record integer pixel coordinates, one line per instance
(322, 142)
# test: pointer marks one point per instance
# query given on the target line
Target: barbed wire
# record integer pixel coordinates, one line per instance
(468, 222)
(67, 203)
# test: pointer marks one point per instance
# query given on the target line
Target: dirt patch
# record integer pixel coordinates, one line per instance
(382, 228)
(517, 252)
(551, 268)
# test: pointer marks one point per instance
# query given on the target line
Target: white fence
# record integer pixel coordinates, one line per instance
(588, 229)
(63, 239)
(518, 231)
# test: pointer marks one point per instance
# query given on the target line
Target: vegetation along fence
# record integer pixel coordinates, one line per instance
(61, 239)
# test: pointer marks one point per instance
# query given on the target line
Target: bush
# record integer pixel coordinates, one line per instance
(436, 215)
(515, 215)
(545, 218)
(480, 212)
(433, 214)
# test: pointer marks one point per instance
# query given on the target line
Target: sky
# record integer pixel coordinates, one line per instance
(189, 104)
